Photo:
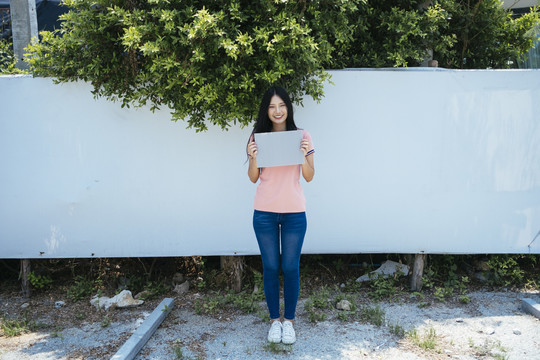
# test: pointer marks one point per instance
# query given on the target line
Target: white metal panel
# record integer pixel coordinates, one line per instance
(406, 161)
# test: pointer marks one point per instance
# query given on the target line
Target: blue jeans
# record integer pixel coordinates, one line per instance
(285, 232)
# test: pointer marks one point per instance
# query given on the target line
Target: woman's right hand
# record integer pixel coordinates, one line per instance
(252, 150)
(253, 171)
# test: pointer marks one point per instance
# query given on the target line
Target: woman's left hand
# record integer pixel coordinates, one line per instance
(304, 146)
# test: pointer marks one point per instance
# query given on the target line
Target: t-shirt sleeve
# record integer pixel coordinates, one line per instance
(311, 148)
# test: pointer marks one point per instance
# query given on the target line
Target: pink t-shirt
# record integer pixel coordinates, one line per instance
(279, 188)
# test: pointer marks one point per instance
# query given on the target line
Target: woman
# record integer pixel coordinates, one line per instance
(279, 218)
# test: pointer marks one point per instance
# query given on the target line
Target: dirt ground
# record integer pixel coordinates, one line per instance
(491, 326)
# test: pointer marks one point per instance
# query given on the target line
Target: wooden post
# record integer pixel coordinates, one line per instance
(233, 267)
(418, 272)
(25, 271)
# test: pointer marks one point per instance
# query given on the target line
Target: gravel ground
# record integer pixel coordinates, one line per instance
(491, 326)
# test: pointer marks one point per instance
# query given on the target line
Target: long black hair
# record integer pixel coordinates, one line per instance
(263, 123)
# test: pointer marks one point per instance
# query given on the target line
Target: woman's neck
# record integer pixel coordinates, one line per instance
(279, 128)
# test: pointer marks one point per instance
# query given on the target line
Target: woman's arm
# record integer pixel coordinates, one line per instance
(253, 170)
(308, 167)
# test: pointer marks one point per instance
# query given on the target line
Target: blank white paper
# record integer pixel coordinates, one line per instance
(279, 148)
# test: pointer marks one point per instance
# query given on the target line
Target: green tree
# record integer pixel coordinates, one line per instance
(7, 59)
(487, 36)
(461, 34)
(396, 34)
(208, 61)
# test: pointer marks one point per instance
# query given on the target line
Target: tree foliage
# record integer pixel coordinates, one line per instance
(8, 59)
(487, 36)
(461, 34)
(209, 61)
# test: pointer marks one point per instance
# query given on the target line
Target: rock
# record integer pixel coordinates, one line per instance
(489, 331)
(344, 305)
(122, 300)
(386, 269)
(25, 305)
(59, 304)
(182, 288)
(516, 332)
(178, 279)
(459, 320)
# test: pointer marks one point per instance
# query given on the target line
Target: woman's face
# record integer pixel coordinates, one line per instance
(277, 113)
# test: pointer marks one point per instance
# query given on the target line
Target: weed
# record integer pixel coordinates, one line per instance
(39, 281)
(489, 348)
(57, 333)
(276, 348)
(506, 270)
(442, 293)
(258, 292)
(320, 298)
(421, 303)
(82, 289)
(428, 278)
(397, 330)
(427, 341)
(250, 350)
(154, 289)
(247, 303)
(263, 315)
(15, 327)
(373, 315)
(463, 285)
(317, 302)
(212, 304)
(178, 351)
(344, 316)
(339, 264)
(382, 287)
(314, 315)
(106, 322)
(352, 286)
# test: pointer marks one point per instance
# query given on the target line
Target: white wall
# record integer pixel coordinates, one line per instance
(406, 161)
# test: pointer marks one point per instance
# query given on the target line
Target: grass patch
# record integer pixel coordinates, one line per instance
(372, 315)
(426, 341)
(16, 327)
(276, 348)
(213, 303)
(397, 330)
(493, 349)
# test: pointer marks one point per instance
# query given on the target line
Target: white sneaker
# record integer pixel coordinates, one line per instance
(289, 336)
(274, 335)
